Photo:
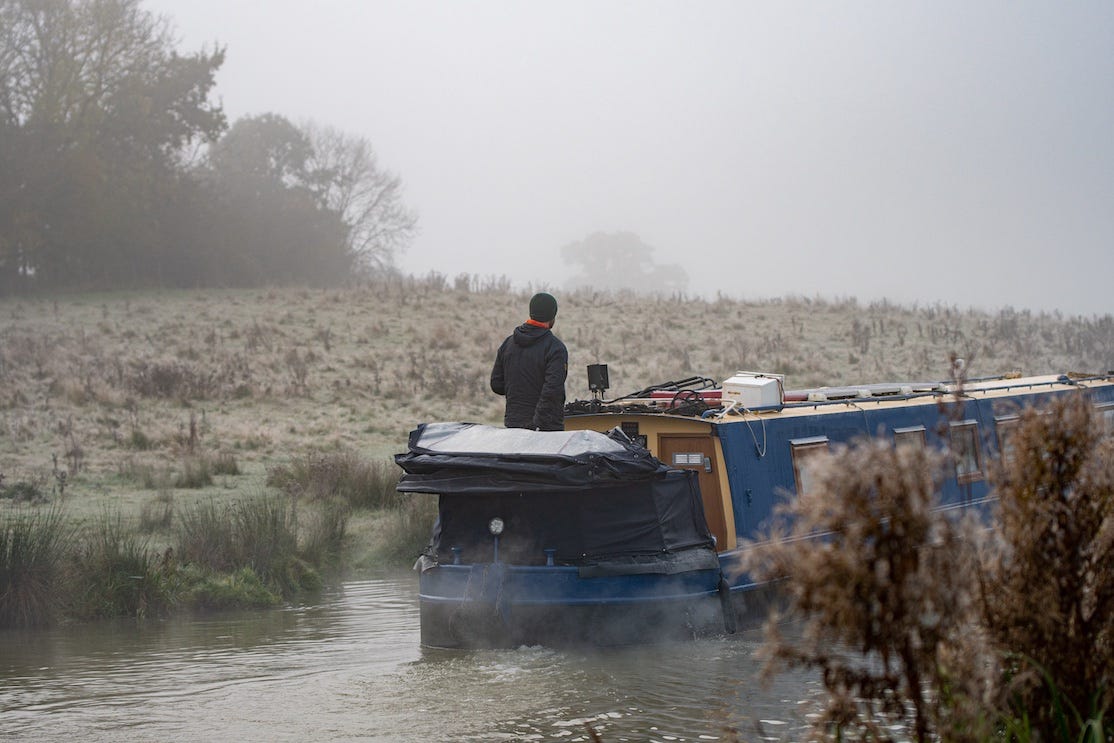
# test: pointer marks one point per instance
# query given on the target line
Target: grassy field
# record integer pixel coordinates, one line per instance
(125, 402)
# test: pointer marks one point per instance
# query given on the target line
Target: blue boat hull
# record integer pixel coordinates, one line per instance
(499, 605)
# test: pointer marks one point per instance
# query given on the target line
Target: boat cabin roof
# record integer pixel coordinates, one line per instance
(706, 404)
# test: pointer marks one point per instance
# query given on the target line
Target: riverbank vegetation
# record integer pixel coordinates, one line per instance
(131, 415)
(926, 627)
(255, 551)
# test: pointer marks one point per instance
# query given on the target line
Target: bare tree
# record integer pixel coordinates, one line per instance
(344, 173)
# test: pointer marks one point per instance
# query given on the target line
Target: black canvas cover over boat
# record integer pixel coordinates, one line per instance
(591, 498)
(471, 458)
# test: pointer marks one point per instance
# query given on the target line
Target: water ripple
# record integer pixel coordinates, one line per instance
(349, 668)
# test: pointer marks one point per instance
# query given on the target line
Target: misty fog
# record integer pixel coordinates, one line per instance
(920, 152)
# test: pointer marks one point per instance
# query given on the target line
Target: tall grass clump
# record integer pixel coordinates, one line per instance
(259, 533)
(157, 513)
(324, 533)
(25, 491)
(226, 464)
(932, 628)
(1048, 584)
(115, 574)
(32, 556)
(205, 536)
(406, 528)
(886, 622)
(196, 472)
(145, 474)
(343, 474)
(267, 532)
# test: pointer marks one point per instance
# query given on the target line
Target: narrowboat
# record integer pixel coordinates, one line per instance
(628, 526)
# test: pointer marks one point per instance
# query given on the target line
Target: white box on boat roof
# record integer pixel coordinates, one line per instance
(754, 389)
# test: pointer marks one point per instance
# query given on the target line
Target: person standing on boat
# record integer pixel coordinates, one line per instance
(530, 370)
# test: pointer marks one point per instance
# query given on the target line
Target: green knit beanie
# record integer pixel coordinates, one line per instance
(543, 307)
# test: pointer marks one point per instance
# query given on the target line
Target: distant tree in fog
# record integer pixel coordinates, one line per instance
(267, 150)
(270, 225)
(620, 260)
(302, 203)
(345, 175)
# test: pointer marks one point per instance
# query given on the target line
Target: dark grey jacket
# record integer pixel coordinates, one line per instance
(530, 369)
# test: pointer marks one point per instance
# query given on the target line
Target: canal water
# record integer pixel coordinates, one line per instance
(350, 668)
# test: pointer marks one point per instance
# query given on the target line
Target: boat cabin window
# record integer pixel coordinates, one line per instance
(688, 458)
(1006, 427)
(965, 451)
(1107, 413)
(912, 436)
(805, 452)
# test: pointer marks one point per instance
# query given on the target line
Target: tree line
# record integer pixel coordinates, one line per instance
(118, 170)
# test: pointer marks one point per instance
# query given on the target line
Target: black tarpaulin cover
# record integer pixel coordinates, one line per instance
(471, 458)
(590, 497)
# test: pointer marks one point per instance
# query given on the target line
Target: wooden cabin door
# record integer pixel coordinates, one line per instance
(698, 453)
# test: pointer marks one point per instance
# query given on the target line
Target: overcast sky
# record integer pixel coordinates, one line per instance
(957, 152)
